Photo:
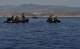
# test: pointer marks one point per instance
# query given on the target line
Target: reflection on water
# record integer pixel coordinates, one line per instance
(38, 34)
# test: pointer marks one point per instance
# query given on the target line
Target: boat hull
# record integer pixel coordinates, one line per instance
(56, 21)
(18, 21)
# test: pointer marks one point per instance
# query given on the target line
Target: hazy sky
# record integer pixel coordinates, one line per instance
(72, 3)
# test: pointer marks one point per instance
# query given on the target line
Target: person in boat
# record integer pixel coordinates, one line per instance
(16, 19)
(12, 18)
(23, 17)
(50, 18)
(55, 18)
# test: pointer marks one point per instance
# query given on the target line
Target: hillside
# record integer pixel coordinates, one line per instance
(42, 9)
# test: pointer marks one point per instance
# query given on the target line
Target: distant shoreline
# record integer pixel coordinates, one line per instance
(45, 16)
(40, 15)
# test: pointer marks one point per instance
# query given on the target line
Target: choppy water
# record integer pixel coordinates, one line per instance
(38, 34)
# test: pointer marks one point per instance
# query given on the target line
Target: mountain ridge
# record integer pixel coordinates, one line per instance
(29, 7)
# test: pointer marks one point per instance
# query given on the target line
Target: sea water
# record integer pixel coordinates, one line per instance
(38, 34)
